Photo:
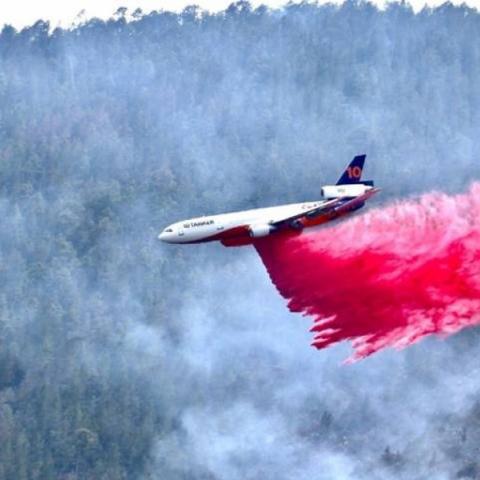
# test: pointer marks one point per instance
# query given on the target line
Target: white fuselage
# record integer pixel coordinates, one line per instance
(212, 227)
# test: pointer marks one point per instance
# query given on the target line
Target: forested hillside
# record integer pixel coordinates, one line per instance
(123, 358)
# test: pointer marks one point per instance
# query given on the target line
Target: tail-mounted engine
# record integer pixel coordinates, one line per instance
(351, 190)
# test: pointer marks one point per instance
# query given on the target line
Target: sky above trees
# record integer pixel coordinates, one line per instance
(25, 12)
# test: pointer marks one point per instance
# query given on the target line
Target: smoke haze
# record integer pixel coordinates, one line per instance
(125, 358)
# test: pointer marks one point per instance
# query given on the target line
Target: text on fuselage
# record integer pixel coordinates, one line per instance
(200, 223)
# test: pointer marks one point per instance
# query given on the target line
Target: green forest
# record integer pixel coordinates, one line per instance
(124, 358)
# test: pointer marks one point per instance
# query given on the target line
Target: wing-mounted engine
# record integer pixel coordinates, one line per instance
(261, 230)
(297, 224)
(351, 190)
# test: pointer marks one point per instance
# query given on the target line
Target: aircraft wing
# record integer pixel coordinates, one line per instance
(336, 207)
(310, 213)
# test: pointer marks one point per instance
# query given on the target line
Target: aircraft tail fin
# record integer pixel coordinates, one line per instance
(353, 173)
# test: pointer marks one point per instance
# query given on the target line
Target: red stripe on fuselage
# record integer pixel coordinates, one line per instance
(235, 232)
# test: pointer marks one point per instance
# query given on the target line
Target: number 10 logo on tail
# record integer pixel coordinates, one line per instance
(354, 172)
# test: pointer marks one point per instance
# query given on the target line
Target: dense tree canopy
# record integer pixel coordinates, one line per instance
(123, 358)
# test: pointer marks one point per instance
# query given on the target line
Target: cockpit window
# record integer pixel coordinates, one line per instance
(168, 230)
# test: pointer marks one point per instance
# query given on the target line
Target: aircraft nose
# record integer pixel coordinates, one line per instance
(166, 235)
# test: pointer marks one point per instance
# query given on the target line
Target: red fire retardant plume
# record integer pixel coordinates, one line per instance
(387, 277)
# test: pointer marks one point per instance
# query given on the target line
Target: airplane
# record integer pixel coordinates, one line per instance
(242, 228)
